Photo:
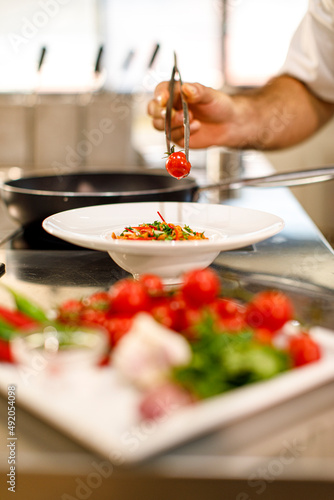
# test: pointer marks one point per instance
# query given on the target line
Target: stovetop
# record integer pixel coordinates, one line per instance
(34, 237)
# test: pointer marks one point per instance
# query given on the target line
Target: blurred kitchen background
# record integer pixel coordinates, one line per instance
(76, 76)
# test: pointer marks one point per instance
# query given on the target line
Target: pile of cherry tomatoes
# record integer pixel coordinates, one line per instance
(184, 308)
(180, 310)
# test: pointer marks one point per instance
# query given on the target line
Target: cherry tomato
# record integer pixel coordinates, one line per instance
(269, 309)
(5, 352)
(98, 301)
(152, 283)
(91, 316)
(129, 297)
(117, 326)
(177, 165)
(70, 311)
(200, 286)
(303, 350)
(164, 313)
(263, 336)
(230, 313)
(190, 318)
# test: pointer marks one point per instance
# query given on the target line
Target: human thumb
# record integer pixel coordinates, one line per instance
(190, 91)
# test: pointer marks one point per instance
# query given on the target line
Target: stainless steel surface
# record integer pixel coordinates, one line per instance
(287, 179)
(169, 107)
(186, 124)
(247, 460)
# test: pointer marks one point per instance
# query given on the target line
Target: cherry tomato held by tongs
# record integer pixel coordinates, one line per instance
(177, 163)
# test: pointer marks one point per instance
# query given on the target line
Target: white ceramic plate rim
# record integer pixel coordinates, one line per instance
(85, 407)
(70, 226)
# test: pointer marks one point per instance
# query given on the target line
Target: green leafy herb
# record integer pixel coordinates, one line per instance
(159, 230)
(222, 361)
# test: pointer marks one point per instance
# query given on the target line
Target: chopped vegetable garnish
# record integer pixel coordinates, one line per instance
(159, 230)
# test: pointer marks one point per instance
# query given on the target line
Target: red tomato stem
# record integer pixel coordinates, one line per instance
(161, 217)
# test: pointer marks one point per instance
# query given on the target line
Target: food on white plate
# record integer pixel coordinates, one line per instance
(163, 400)
(148, 351)
(182, 345)
(159, 230)
(27, 331)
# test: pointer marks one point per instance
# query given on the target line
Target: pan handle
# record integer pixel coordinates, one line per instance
(285, 179)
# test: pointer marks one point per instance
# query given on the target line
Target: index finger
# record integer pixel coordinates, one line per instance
(161, 93)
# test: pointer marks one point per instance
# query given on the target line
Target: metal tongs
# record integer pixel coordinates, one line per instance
(176, 76)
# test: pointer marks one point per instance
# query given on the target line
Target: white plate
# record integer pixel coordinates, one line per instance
(226, 227)
(99, 411)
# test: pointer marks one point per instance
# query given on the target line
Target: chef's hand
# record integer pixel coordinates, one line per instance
(212, 115)
(280, 114)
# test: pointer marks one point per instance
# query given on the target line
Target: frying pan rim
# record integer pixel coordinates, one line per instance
(7, 187)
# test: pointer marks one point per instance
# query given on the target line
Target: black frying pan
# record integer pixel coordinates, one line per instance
(32, 199)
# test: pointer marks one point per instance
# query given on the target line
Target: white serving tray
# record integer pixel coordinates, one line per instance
(99, 410)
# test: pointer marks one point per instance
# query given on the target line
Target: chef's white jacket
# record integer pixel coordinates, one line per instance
(311, 54)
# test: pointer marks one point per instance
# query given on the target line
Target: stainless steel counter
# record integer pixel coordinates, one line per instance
(241, 461)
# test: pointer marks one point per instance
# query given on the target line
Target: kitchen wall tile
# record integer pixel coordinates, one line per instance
(13, 134)
(107, 131)
(55, 131)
